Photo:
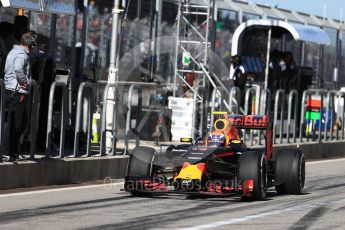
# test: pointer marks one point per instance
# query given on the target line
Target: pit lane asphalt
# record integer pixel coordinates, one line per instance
(322, 206)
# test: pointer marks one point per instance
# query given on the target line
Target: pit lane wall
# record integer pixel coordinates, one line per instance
(315, 150)
(42, 172)
(23, 174)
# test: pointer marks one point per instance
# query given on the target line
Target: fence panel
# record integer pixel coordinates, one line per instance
(104, 120)
(34, 117)
(2, 113)
(128, 117)
(235, 101)
(292, 103)
(83, 86)
(64, 107)
(309, 93)
(279, 100)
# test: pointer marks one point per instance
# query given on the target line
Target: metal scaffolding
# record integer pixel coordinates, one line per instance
(193, 42)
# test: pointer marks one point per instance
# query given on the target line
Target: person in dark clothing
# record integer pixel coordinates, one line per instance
(20, 26)
(7, 41)
(17, 84)
(291, 70)
(238, 76)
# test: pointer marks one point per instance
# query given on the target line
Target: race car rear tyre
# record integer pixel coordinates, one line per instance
(140, 165)
(290, 171)
(253, 166)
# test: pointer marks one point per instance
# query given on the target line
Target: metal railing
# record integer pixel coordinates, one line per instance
(292, 103)
(131, 87)
(248, 100)
(34, 117)
(265, 107)
(341, 95)
(64, 107)
(2, 113)
(104, 120)
(329, 103)
(312, 92)
(196, 101)
(279, 100)
(213, 106)
(235, 102)
(265, 101)
(288, 123)
(128, 117)
(286, 119)
(91, 95)
(250, 93)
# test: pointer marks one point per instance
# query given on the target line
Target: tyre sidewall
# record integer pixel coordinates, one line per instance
(290, 171)
(140, 161)
(253, 166)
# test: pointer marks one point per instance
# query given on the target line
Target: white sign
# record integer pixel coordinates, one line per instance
(185, 59)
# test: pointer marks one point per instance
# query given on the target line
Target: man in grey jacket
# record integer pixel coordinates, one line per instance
(17, 83)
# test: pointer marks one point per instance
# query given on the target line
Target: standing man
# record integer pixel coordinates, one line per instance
(17, 83)
(238, 76)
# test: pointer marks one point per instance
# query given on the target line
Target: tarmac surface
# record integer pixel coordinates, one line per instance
(104, 206)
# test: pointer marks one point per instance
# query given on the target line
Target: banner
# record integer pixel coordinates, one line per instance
(51, 6)
(24, 4)
(59, 6)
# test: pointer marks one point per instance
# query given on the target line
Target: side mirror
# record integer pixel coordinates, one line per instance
(236, 143)
(186, 139)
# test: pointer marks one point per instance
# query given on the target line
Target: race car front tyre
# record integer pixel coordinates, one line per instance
(140, 162)
(290, 171)
(140, 165)
(253, 166)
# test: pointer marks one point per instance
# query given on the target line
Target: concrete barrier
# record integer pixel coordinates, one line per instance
(24, 174)
(315, 150)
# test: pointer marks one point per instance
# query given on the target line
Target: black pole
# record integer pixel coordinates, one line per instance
(84, 37)
(153, 16)
(338, 57)
(139, 9)
(74, 72)
(321, 61)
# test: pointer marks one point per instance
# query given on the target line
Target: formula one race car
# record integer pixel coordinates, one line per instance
(219, 164)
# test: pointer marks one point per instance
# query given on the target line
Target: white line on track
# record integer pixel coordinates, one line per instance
(325, 161)
(108, 186)
(236, 220)
(261, 215)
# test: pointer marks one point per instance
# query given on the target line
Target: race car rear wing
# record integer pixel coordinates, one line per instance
(247, 121)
